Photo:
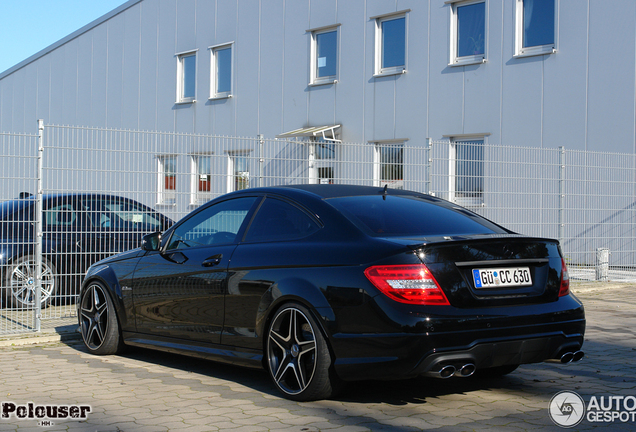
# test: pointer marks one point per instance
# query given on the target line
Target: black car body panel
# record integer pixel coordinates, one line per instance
(217, 300)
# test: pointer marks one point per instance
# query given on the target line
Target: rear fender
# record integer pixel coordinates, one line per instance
(294, 290)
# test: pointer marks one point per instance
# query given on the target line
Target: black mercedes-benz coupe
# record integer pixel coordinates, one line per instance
(322, 284)
(77, 231)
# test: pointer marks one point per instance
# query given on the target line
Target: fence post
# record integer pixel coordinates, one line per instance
(261, 141)
(429, 166)
(602, 264)
(561, 195)
(38, 229)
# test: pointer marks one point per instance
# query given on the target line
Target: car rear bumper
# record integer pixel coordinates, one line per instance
(512, 341)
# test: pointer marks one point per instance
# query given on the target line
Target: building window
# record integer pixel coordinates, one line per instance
(535, 27)
(186, 77)
(167, 186)
(238, 170)
(324, 56)
(468, 33)
(202, 179)
(467, 172)
(390, 44)
(389, 165)
(221, 67)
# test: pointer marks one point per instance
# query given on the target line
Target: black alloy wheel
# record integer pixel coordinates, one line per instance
(98, 321)
(298, 358)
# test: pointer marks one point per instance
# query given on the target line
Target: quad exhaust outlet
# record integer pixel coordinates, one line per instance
(569, 357)
(450, 370)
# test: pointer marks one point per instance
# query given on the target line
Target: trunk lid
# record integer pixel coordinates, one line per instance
(492, 270)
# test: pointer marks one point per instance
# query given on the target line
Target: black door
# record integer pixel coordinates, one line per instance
(179, 291)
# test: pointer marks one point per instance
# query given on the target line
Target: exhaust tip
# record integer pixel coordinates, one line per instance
(447, 371)
(467, 370)
(577, 356)
(567, 357)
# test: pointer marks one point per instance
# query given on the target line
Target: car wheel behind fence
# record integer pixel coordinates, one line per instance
(22, 282)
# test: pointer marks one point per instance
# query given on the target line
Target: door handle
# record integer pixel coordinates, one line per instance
(212, 261)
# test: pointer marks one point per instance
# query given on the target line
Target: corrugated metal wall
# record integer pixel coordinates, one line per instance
(122, 74)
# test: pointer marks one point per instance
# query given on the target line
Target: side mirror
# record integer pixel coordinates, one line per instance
(151, 242)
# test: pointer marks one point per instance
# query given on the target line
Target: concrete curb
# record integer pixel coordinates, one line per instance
(66, 333)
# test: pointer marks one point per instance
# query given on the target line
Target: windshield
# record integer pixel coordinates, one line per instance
(406, 216)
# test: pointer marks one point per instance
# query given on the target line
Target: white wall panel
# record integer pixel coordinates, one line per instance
(166, 66)
(271, 67)
(321, 13)
(565, 84)
(611, 76)
(43, 66)
(122, 73)
(131, 78)
(56, 104)
(446, 83)
(353, 74)
(115, 53)
(70, 81)
(99, 78)
(148, 67)
(84, 84)
(30, 94)
(246, 74)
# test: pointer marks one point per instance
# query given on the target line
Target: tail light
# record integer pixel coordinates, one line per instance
(412, 284)
(565, 280)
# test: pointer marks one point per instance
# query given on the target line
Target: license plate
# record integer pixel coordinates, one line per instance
(502, 277)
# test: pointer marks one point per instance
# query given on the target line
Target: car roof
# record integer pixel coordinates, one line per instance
(27, 200)
(326, 191)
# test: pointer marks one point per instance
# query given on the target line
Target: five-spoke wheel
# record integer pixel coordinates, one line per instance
(297, 355)
(22, 282)
(98, 321)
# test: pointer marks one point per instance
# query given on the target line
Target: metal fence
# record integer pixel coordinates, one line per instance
(18, 173)
(584, 199)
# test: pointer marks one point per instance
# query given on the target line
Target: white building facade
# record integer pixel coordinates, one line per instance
(540, 73)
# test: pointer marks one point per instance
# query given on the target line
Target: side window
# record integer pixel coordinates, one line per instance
(278, 220)
(215, 225)
(60, 215)
(121, 214)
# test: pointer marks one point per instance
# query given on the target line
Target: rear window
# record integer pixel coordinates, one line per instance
(404, 216)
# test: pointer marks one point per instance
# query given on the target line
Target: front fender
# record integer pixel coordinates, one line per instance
(105, 275)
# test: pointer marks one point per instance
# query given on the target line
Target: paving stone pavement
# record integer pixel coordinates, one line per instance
(149, 391)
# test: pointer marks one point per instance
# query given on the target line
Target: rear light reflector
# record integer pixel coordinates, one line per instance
(565, 280)
(412, 284)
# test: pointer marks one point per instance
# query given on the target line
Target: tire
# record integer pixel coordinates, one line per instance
(298, 358)
(21, 283)
(495, 372)
(98, 321)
